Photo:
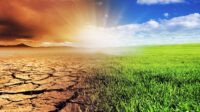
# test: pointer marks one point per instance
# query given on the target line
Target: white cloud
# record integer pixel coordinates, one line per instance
(153, 24)
(150, 2)
(166, 15)
(181, 29)
(189, 21)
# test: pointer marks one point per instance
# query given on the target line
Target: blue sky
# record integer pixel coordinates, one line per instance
(131, 11)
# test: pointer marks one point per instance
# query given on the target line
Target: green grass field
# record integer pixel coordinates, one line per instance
(158, 79)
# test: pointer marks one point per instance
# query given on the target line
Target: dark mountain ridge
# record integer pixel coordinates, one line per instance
(17, 45)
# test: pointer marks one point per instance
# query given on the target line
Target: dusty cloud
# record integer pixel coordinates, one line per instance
(49, 20)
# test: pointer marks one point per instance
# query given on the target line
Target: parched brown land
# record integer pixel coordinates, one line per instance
(43, 82)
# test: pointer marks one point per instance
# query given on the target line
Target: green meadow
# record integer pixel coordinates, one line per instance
(162, 78)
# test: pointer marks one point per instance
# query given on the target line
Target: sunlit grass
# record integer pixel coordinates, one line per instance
(163, 78)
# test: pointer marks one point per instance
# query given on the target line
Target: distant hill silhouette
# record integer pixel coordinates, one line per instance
(22, 45)
(17, 45)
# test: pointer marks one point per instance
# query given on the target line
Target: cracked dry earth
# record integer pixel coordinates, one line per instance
(43, 84)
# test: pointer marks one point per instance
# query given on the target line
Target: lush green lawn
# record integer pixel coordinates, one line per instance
(160, 78)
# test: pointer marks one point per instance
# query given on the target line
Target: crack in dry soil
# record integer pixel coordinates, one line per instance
(44, 85)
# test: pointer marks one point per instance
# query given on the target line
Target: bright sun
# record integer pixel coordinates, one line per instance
(98, 37)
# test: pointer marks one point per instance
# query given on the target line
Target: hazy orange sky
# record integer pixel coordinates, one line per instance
(35, 21)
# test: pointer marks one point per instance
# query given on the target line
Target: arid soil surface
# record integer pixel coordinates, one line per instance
(42, 82)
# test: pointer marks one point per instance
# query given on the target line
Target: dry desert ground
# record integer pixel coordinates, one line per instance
(42, 80)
